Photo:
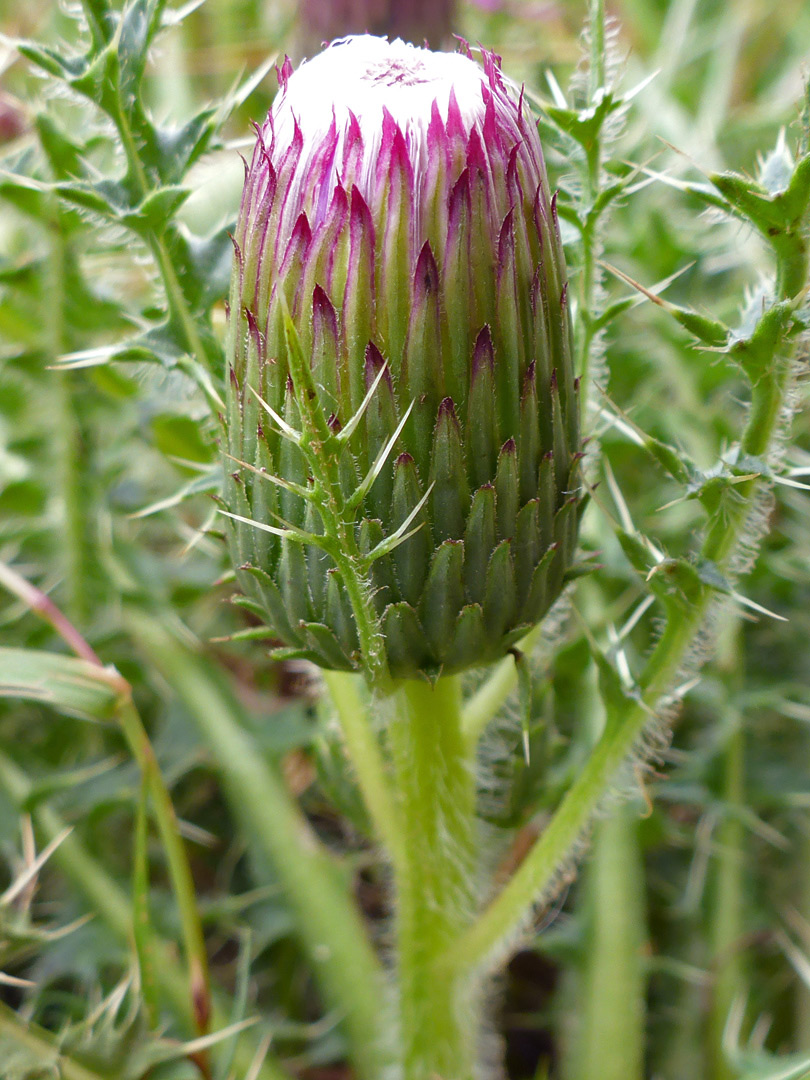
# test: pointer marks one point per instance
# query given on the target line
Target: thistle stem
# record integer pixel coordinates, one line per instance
(435, 883)
(539, 873)
(596, 28)
(590, 288)
(176, 299)
(322, 453)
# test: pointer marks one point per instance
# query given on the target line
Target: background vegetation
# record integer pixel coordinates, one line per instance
(683, 948)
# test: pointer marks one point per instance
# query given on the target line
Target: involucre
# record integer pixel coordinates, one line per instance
(397, 231)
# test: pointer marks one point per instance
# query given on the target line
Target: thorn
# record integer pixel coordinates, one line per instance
(283, 426)
(744, 600)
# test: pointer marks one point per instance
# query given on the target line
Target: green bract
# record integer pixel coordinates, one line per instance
(399, 322)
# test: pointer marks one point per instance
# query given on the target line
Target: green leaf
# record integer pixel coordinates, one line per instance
(771, 212)
(750, 199)
(101, 199)
(209, 265)
(69, 685)
(675, 462)
(26, 195)
(180, 437)
(178, 148)
(636, 551)
(137, 29)
(161, 344)
(156, 210)
(100, 80)
(585, 125)
(66, 68)
(25, 498)
(101, 19)
(63, 154)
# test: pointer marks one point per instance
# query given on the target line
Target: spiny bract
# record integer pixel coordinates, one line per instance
(397, 211)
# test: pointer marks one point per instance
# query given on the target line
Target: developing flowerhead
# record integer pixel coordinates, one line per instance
(397, 210)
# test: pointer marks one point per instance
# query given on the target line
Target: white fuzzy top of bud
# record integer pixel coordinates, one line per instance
(363, 74)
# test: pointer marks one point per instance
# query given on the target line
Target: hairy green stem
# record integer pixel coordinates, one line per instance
(323, 451)
(587, 333)
(539, 873)
(328, 920)
(792, 273)
(367, 758)
(175, 297)
(435, 884)
(596, 29)
(360, 594)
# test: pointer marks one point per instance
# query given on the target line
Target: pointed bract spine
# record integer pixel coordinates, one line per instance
(411, 557)
(421, 382)
(450, 499)
(479, 542)
(481, 443)
(443, 597)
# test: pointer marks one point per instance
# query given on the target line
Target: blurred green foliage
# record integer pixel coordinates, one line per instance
(107, 464)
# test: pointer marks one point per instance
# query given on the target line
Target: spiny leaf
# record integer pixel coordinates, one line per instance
(706, 329)
(66, 68)
(385, 452)
(401, 534)
(585, 125)
(64, 155)
(156, 210)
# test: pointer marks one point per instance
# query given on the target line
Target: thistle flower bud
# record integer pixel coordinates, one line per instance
(397, 232)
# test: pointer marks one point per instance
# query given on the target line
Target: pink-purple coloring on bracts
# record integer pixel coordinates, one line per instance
(397, 206)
